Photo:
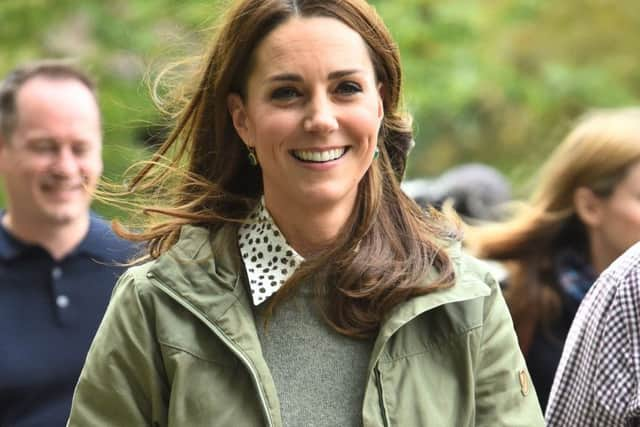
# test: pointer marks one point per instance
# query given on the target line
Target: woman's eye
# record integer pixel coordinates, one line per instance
(284, 93)
(348, 88)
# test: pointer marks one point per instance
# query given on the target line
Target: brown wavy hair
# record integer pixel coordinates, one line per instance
(596, 154)
(201, 175)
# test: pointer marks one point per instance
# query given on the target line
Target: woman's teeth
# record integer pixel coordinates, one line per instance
(319, 156)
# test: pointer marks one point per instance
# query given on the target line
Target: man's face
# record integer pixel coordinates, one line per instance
(52, 160)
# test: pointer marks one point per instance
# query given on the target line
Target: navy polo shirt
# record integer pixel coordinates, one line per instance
(49, 313)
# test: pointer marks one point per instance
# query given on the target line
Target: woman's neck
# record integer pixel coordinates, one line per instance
(309, 230)
(601, 254)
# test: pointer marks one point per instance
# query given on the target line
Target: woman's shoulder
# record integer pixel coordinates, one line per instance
(478, 287)
(470, 269)
(472, 305)
(197, 253)
(466, 303)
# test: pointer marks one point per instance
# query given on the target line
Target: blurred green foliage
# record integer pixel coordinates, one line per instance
(495, 81)
(501, 81)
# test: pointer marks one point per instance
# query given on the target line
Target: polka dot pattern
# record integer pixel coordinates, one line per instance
(267, 257)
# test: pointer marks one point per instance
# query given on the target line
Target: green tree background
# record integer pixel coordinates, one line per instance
(494, 81)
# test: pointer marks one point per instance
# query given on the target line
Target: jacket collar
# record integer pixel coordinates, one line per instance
(205, 272)
(210, 275)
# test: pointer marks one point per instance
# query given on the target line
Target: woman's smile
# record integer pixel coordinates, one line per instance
(319, 155)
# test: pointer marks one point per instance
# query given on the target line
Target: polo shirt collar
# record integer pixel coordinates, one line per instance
(92, 244)
(10, 247)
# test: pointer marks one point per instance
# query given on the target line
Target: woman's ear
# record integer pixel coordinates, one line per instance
(380, 102)
(588, 206)
(238, 114)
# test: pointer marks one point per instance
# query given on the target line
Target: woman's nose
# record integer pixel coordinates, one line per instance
(321, 117)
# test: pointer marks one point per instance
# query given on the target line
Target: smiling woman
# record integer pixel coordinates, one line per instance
(313, 118)
(291, 281)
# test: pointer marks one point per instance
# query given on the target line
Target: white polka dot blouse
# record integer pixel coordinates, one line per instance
(267, 257)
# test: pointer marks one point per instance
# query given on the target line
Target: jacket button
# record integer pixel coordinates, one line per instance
(524, 382)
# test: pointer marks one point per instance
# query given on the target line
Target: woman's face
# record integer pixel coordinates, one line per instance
(618, 225)
(312, 112)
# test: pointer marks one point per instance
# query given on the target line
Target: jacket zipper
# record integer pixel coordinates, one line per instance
(383, 409)
(245, 361)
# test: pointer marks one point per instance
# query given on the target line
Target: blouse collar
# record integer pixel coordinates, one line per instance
(268, 259)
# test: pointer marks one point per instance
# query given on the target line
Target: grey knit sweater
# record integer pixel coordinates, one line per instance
(319, 374)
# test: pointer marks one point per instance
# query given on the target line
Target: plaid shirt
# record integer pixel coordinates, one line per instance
(598, 379)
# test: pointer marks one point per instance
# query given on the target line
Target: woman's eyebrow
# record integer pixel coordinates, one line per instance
(298, 78)
(342, 73)
(286, 77)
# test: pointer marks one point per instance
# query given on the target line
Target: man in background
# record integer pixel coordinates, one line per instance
(58, 261)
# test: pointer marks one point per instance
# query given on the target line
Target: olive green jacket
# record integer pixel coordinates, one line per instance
(178, 347)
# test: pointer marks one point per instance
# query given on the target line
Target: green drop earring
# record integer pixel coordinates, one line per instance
(253, 160)
(376, 153)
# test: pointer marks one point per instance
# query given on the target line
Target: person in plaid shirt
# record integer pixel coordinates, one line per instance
(597, 382)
